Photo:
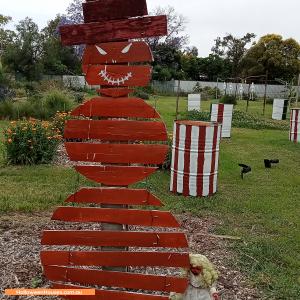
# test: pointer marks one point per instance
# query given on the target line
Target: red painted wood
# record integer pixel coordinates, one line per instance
(117, 153)
(114, 239)
(116, 216)
(96, 11)
(115, 259)
(107, 294)
(115, 92)
(116, 130)
(116, 196)
(115, 175)
(116, 108)
(117, 279)
(111, 31)
(116, 53)
(118, 75)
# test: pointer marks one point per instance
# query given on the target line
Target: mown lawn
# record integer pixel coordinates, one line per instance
(263, 209)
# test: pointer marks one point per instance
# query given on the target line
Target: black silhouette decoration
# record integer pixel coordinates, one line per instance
(245, 169)
(269, 162)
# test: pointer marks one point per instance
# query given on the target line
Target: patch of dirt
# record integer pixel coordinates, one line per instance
(20, 236)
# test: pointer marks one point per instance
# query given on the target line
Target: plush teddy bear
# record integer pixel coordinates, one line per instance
(202, 280)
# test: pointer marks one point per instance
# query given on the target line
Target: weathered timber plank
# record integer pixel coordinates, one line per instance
(117, 153)
(118, 75)
(115, 196)
(108, 294)
(115, 175)
(116, 279)
(115, 92)
(116, 53)
(101, 10)
(112, 31)
(115, 258)
(121, 107)
(116, 216)
(114, 238)
(115, 130)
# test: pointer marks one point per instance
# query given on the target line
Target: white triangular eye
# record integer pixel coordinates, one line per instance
(101, 51)
(127, 48)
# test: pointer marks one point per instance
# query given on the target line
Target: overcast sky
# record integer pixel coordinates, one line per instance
(207, 18)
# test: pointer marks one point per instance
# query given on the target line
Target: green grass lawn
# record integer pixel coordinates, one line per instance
(263, 209)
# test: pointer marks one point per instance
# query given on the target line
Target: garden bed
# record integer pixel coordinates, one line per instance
(20, 236)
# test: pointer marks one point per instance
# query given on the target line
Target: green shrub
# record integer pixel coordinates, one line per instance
(142, 95)
(241, 120)
(56, 100)
(244, 120)
(228, 99)
(168, 161)
(79, 97)
(8, 110)
(30, 142)
(144, 92)
(196, 115)
(20, 93)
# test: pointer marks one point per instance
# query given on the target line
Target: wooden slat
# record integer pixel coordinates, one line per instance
(96, 11)
(115, 175)
(116, 216)
(112, 31)
(115, 259)
(114, 239)
(115, 196)
(117, 153)
(117, 279)
(121, 107)
(115, 92)
(108, 294)
(115, 130)
(118, 75)
(116, 53)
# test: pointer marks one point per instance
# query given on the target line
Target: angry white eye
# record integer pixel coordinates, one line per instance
(127, 48)
(101, 51)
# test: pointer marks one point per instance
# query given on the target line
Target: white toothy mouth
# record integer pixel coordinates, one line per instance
(114, 81)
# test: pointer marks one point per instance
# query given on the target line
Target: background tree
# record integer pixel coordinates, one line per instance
(6, 36)
(22, 55)
(273, 54)
(176, 37)
(57, 59)
(232, 49)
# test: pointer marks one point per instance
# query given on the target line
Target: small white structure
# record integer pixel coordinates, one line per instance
(241, 91)
(295, 125)
(280, 108)
(252, 91)
(194, 102)
(222, 113)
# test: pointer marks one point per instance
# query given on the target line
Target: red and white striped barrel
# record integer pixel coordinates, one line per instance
(295, 125)
(222, 113)
(195, 158)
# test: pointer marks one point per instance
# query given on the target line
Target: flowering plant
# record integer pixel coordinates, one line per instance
(31, 142)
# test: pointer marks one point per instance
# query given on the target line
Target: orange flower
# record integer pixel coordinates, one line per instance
(9, 141)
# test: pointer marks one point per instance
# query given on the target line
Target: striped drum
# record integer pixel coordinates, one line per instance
(195, 158)
(280, 108)
(295, 125)
(194, 102)
(222, 113)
